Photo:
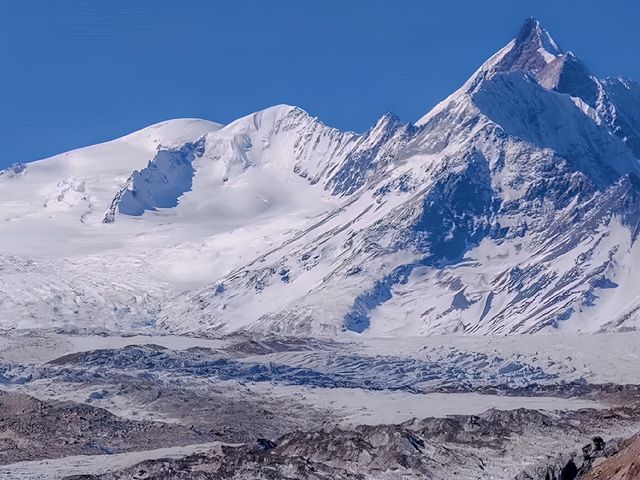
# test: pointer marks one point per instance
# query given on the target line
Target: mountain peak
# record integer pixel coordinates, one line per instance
(530, 25)
(386, 121)
(532, 31)
(531, 50)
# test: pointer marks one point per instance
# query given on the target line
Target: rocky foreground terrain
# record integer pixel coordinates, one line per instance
(456, 447)
(398, 453)
(623, 464)
(88, 406)
(33, 429)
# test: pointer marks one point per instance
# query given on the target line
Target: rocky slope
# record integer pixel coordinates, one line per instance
(623, 465)
(466, 447)
(31, 429)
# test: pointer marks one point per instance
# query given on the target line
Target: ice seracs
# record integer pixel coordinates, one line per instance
(512, 207)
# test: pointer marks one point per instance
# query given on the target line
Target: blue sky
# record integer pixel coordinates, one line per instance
(77, 72)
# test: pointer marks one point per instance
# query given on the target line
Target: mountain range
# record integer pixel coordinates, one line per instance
(511, 207)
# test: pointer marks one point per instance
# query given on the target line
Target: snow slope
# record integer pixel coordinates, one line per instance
(511, 207)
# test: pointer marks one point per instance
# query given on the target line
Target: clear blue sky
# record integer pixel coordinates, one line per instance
(77, 72)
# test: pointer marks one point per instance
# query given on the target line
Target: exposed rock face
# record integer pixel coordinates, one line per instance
(32, 429)
(598, 460)
(623, 465)
(571, 466)
(567, 74)
(532, 49)
(13, 170)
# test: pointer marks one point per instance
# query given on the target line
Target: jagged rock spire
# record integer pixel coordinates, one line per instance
(533, 49)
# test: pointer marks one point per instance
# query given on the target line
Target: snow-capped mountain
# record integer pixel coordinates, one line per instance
(512, 207)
